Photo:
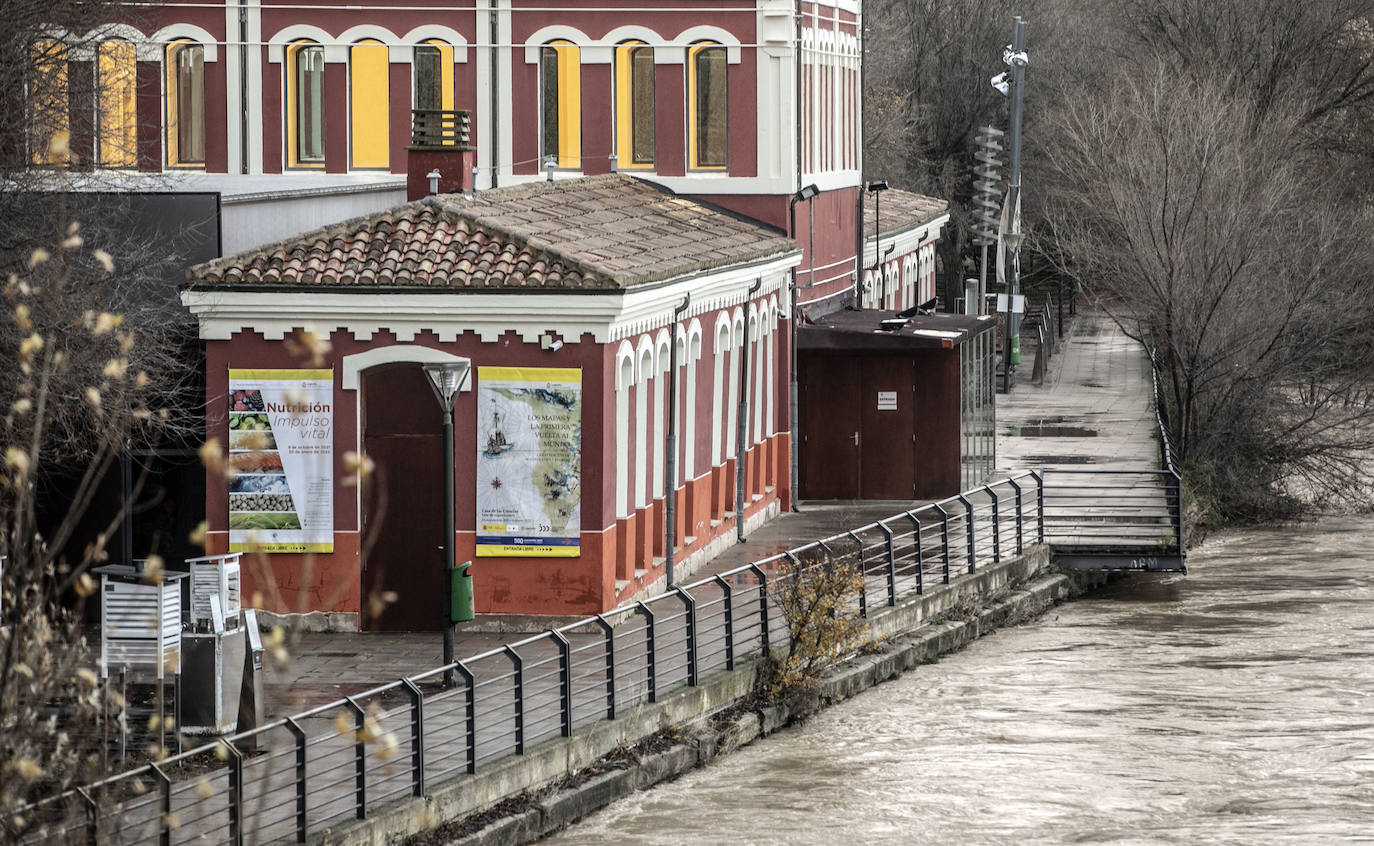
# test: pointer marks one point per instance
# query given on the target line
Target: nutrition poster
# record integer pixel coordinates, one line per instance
(281, 458)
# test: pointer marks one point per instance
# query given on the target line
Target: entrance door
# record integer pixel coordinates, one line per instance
(829, 422)
(887, 422)
(857, 417)
(403, 501)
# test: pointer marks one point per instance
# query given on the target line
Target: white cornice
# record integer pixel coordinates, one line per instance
(605, 315)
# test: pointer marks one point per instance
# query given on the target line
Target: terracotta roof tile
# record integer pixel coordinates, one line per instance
(599, 232)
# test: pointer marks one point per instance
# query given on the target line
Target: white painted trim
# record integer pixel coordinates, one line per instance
(644, 352)
(186, 32)
(145, 50)
(352, 365)
(334, 51)
(625, 351)
(590, 51)
(634, 32)
(361, 32)
(436, 32)
(693, 35)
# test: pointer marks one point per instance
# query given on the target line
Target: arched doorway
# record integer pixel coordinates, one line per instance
(403, 500)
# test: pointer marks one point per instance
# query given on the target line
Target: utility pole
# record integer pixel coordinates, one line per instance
(1016, 57)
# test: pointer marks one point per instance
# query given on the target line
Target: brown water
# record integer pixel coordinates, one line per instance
(1232, 705)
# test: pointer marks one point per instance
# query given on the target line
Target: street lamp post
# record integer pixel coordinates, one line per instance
(447, 378)
(876, 187)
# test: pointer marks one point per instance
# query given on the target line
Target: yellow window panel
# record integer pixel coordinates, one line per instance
(117, 142)
(368, 77)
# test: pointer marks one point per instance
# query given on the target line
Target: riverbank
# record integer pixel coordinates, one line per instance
(945, 621)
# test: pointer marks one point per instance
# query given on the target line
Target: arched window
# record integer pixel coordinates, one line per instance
(305, 105)
(433, 76)
(185, 68)
(634, 105)
(706, 106)
(369, 124)
(49, 112)
(117, 123)
(560, 99)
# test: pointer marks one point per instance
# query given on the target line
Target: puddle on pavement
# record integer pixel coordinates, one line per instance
(1053, 432)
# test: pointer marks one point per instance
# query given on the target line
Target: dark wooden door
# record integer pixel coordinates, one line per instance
(888, 419)
(829, 420)
(403, 501)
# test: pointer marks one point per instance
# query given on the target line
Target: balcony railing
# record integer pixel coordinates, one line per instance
(439, 129)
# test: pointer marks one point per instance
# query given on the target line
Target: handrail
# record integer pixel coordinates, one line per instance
(678, 647)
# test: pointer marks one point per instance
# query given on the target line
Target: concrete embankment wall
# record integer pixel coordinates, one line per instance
(917, 630)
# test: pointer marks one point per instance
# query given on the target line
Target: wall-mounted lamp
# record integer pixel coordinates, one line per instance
(550, 343)
(433, 177)
(807, 193)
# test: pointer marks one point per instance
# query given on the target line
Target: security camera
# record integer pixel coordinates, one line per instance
(1002, 83)
(1015, 58)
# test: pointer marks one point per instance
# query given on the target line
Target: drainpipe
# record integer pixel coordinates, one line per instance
(492, 119)
(243, 87)
(742, 423)
(670, 448)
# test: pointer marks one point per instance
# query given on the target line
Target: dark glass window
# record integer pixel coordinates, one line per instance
(709, 68)
(642, 105)
(310, 104)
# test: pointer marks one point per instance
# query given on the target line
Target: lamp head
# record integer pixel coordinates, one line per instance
(877, 185)
(447, 378)
(1002, 83)
(807, 192)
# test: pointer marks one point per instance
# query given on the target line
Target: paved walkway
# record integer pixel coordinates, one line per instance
(1092, 409)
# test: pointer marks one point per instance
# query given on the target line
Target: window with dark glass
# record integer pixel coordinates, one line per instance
(707, 106)
(185, 123)
(634, 105)
(428, 78)
(305, 104)
(560, 97)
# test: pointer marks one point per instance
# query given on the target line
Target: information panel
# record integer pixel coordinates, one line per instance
(281, 454)
(529, 461)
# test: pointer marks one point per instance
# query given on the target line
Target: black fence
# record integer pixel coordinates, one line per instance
(343, 760)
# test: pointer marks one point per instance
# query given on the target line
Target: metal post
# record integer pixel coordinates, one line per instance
(470, 706)
(689, 603)
(920, 564)
(944, 538)
(517, 665)
(1039, 503)
(863, 573)
(670, 446)
(650, 665)
(359, 759)
(609, 632)
(417, 737)
(449, 552)
(764, 634)
(1018, 84)
(891, 565)
(968, 533)
(1020, 548)
(565, 685)
(729, 623)
(996, 527)
(165, 824)
(235, 793)
(92, 817)
(302, 823)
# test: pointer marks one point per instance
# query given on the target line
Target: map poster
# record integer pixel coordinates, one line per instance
(529, 461)
(281, 458)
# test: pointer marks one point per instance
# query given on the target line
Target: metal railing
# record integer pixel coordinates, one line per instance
(440, 128)
(341, 760)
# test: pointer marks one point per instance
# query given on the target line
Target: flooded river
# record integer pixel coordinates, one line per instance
(1232, 705)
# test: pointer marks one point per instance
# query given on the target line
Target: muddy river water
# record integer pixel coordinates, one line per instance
(1231, 705)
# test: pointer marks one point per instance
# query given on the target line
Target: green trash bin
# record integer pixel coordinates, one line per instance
(1015, 350)
(460, 594)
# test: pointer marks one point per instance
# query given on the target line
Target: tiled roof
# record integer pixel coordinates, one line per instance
(598, 232)
(900, 209)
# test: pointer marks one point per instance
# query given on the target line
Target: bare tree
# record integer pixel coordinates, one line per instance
(1208, 234)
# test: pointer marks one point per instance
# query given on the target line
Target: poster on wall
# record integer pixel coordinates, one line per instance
(529, 461)
(281, 454)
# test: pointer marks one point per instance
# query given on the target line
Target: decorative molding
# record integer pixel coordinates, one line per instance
(187, 32)
(353, 365)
